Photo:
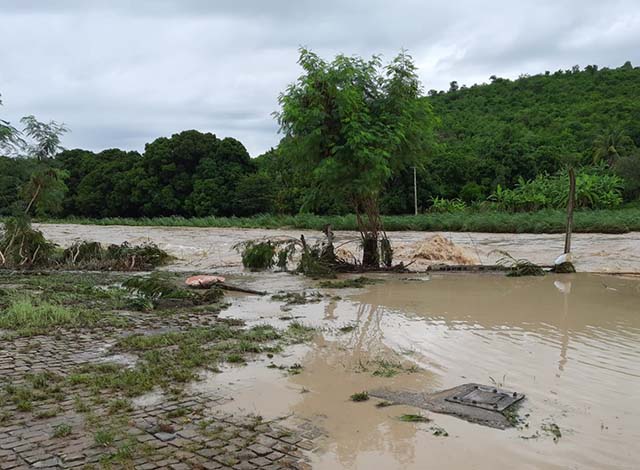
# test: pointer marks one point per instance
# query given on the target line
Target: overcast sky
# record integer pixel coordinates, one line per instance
(121, 73)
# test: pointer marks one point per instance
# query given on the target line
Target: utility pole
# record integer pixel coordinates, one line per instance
(415, 191)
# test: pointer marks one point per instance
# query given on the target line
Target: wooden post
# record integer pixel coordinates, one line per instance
(570, 204)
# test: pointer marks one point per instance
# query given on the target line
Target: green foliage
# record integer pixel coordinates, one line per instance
(257, 255)
(410, 418)
(628, 168)
(44, 191)
(509, 129)
(353, 129)
(23, 247)
(360, 396)
(593, 191)
(353, 123)
(519, 267)
(485, 219)
(45, 137)
(29, 312)
(440, 205)
(61, 430)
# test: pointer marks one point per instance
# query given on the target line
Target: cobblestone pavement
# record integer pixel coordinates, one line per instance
(73, 427)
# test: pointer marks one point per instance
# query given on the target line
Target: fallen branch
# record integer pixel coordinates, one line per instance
(225, 286)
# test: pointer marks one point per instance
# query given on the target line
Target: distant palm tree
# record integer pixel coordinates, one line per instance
(608, 145)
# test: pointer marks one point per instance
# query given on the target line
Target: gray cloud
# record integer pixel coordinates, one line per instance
(121, 73)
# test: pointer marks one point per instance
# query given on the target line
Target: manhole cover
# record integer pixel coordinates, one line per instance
(486, 397)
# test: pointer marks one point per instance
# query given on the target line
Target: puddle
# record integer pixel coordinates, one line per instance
(124, 359)
(570, 343)
(149, 400)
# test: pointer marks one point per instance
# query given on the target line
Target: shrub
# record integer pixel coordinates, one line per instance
(22, 246)
(440, 205)
(594, 190)
(257, 255)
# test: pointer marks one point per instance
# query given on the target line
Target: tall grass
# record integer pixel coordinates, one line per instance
(545, 221)
(27, 312)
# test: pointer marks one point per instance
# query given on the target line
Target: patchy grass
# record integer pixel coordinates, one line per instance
(356, 283)
(26, 311)
(297, 298)
(104, 437)
(552, 429)
(439, 431)
(383, 404)
(347, 329)
(174, 358)
(61, 430)
(297, 333)
(411, 418)
(119, 405)
(360, 396)
(385, 368)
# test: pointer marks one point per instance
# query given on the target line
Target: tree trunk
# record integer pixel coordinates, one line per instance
(370, 254)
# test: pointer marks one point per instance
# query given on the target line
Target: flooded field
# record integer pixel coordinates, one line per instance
(570, 343)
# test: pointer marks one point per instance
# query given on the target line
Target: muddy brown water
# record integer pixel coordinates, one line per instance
(212, 248)
(571, 343)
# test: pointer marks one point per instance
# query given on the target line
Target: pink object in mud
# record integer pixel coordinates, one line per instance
(203, 281)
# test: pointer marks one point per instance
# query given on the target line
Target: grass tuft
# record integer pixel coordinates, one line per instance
(360, 396)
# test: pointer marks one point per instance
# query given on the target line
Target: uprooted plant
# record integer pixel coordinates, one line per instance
(23, 247)
(518, 267)
(318, 260)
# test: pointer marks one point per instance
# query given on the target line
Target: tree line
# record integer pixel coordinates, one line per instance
(468, 144)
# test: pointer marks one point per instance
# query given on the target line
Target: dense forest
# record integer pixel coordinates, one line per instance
(502, 145)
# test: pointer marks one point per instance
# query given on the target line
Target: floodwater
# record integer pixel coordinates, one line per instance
(571, 343)
(212, 248)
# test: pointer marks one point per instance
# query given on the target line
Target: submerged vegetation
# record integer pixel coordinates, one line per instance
(518, 267)
(359, 396)
(355, 283)
(21, 246)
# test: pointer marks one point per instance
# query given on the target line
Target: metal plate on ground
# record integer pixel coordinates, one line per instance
(485, 397)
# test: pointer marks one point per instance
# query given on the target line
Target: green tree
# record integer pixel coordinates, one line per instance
(45, 137)
(609, 145)
(254, 195)
(9, 137)
(44, 192)
(168, 170)
(217, 177)
(354, 123)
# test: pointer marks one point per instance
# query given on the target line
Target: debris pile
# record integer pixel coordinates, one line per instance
(435, 250)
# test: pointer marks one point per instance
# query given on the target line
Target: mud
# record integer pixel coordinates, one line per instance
(212, 248)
